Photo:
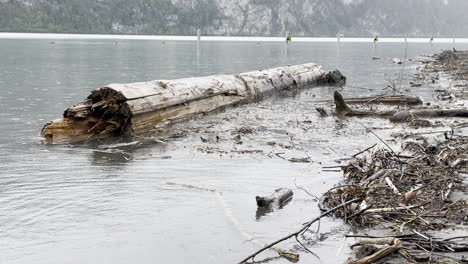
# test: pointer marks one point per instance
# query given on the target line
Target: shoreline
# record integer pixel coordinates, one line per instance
(65, 36)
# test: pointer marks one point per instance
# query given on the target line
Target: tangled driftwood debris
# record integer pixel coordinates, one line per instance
(407, 194)
(137, 108)
(452, 64)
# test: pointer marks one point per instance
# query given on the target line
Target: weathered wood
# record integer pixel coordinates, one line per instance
(381, 173)
(383, 99)
(380, 254)
(388, 100)
(343, 109)
(278, 197)
(137, 108)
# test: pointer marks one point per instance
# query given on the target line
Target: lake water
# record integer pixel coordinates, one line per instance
(148, 203)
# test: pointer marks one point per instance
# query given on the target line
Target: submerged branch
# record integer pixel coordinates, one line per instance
(300, 231)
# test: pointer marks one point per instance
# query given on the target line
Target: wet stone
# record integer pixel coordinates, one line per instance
(400, 117)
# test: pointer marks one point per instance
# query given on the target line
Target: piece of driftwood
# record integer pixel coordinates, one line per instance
(382, 99)
(381, 173)
(137, 108)
(278, 197)
(388, 100)
(343, 109)
(380, 253)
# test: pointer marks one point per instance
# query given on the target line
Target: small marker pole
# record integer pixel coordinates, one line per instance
(198, 35)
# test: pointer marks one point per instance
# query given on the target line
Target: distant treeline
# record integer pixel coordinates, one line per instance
(238, 17)
(107, 16)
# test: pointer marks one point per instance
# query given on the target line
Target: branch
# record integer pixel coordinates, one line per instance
(303, 229)
(360, 152)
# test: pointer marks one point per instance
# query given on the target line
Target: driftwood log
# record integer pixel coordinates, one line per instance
(137, 108)
(343, 109)
(371, 253)
(278, 197)
(387, 99)
(382, 99)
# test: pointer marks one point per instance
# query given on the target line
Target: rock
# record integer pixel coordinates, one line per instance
(402, 116)
(397, 61)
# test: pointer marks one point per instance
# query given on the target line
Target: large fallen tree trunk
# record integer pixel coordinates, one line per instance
(137, 108)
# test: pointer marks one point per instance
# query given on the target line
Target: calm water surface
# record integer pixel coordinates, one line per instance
(137, 204)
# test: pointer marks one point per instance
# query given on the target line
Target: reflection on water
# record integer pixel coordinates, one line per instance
(264, 211)
(112, 204)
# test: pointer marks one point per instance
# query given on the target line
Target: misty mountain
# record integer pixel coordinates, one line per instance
(238, 17)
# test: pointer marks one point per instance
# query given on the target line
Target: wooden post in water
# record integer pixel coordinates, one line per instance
(198, 35)
(338, 37)
(376, 38)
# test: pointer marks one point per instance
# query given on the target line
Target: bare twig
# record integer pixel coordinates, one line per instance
(305, 190)
(453, 238)
(381, 140)
(303, 229)
(360, 152)
(307, 249)
(404, 64)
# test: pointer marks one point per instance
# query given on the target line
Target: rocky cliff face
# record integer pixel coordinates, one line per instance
(276, 17)
(351, 17)
(239, 17)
